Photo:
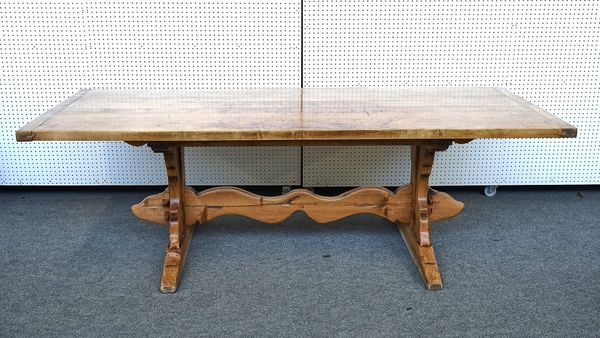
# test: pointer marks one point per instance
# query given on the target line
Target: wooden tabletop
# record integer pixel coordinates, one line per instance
(319, 114)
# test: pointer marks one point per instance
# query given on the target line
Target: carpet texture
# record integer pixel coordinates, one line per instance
(76, 262)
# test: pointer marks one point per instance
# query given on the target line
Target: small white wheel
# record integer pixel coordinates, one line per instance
(490, 190)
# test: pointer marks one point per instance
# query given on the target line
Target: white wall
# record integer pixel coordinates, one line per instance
(52, 49)
(545, 51)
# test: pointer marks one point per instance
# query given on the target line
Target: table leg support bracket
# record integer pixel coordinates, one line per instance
(416, 234)
(413, 207)
(180, 231)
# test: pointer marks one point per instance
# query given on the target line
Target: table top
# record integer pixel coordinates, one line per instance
(319, 114)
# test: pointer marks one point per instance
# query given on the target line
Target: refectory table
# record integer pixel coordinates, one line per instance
(427, 119)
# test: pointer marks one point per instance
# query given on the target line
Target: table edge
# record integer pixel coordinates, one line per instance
(31, 132)
(296, 136)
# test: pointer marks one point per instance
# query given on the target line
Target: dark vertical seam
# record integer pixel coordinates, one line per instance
(301, 82)
(301, 43)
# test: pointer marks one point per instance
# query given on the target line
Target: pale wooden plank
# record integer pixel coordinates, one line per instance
(295, 115)
(26, 132)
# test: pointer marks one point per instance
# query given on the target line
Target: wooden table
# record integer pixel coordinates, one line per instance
(427, 119)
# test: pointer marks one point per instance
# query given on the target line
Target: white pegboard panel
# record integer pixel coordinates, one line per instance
(546, 51)
(51, 49)
(250, 165)
(355, 166)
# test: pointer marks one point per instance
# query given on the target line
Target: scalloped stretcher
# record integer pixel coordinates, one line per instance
(217, 202)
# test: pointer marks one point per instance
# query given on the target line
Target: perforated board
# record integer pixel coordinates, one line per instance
(545, 51)
(51, 49)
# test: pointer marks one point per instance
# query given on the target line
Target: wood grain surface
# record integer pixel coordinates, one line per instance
(294, 115)
(221, 201)
(180, 231)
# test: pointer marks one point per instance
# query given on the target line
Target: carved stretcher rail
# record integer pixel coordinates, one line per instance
(216, 202)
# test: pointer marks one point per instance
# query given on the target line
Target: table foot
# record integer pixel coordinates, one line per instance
(174, 262)
(424, 258)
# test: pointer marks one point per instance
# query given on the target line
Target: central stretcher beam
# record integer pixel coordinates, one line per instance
(221, 201)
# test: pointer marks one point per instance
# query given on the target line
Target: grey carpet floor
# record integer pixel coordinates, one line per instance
(76, 262)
